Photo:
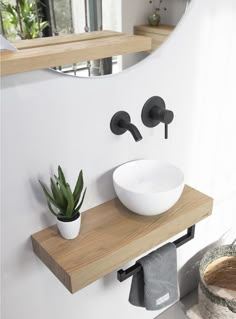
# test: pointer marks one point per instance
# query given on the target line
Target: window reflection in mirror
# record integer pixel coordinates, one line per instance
(29, 19)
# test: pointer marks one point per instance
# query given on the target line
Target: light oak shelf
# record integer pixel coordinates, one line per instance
(54, 51)
(157, 34)
(111, 236)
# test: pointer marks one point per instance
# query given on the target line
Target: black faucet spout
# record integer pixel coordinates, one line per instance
(132, 129)
(121, 123)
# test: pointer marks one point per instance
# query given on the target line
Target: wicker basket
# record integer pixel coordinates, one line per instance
(218, 268)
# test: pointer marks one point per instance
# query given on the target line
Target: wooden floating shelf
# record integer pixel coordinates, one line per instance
(111, 236)
(54, 51)
(158, 34)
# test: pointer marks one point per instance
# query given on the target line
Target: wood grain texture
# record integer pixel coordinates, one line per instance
(89, 47)
(111, 236)
(67, 38)
(158, 34)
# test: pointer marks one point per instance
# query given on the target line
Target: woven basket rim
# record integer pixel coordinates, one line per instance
(208, 258)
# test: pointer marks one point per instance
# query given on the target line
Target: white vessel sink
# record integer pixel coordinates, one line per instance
(148, 187)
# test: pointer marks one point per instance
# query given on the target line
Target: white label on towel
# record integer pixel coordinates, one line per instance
(163, 299)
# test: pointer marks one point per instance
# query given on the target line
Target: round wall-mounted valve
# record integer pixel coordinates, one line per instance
(154, 112)
(116, 122)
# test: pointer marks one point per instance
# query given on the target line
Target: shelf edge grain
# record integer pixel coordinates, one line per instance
(105, 244)
(48, 56)
(55, 268)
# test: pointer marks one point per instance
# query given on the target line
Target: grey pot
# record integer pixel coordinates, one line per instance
(210, 298)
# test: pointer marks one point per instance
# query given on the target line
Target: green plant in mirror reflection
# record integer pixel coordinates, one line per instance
(22, 20)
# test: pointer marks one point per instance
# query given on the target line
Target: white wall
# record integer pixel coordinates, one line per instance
(49, 119)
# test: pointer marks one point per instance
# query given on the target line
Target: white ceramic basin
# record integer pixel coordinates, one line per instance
(148, 187)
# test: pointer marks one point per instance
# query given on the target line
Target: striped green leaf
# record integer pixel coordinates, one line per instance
(82, 200)
(61, 176)
(51, 209)
(71, 203)
(78, 188)
(48, 195)
(57, 194)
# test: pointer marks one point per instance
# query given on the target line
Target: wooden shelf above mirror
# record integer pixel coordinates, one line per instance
(67, 49)
(158, 34)
(111, 236)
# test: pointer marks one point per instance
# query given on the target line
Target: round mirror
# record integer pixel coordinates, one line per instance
(124, 32)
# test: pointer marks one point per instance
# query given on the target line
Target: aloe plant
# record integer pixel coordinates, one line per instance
(66, 203)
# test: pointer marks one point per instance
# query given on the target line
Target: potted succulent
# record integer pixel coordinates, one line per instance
(65, 204)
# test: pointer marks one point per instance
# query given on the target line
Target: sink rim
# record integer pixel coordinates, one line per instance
(160, 162)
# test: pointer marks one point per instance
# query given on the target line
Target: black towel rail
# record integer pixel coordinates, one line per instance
(125, 274)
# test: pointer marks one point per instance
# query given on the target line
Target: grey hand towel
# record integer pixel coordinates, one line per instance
(156, 287)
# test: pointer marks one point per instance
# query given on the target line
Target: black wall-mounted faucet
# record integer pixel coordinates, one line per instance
(154, 112)
(121, 122)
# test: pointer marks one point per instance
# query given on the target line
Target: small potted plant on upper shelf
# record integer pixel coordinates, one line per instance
(155, 18)
(66, 202)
